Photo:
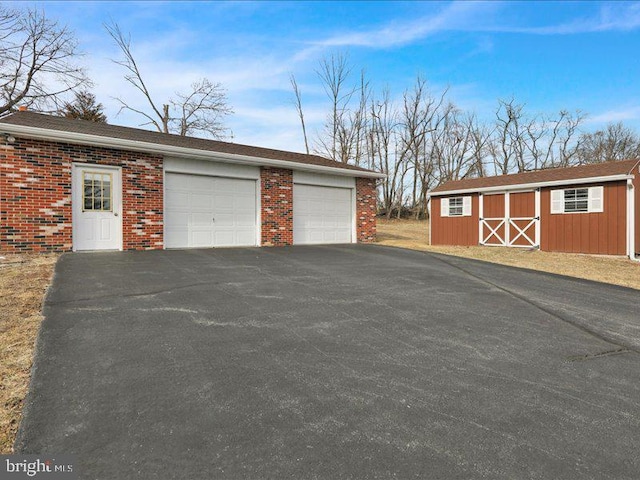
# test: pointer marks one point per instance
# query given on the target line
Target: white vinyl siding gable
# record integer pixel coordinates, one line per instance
(578, 200)
(455, 207)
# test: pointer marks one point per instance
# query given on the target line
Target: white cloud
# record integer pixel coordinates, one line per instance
(397, 33)
(475, 17)
(628, 113)
(258, 81)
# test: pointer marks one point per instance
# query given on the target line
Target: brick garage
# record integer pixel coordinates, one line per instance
(121, 187)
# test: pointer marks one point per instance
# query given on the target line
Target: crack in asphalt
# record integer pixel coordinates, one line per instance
(628, 348)
(606, 353)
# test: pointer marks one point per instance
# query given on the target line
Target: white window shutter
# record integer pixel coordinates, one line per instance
(444, 207)
(557, 201)
(596, 199)
(466, 206)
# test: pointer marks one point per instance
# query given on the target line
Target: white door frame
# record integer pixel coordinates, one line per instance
(76, 198)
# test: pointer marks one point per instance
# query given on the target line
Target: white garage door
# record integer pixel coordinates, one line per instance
(321, 214)
(203, 211)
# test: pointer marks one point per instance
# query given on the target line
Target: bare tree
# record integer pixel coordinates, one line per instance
(382, 150)
(334, 72)
(523, 142)
(418, 118)
(508, 146)
(38, 61)
(614, 142)
(298, 104)
(84, 107)
(202, 110)
(550, 141)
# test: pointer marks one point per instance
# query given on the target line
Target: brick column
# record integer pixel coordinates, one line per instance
(276, 191)
(366, 208)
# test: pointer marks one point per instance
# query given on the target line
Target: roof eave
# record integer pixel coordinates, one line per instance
(146, 147)
(525, 186)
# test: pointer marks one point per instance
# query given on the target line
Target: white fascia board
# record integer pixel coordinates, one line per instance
(522, 186)
(137, 146)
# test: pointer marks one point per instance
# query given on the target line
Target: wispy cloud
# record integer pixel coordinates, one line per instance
(396, 33)
(622, 114)
(611, 17)
(476, 17)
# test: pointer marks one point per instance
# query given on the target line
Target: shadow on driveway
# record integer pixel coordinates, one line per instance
(333, 362)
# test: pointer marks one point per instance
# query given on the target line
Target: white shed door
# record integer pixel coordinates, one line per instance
(321, 215)
(203, 211)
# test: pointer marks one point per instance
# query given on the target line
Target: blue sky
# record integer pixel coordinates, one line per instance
(550, 56)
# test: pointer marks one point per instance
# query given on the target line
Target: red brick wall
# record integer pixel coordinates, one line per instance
(276, 190)
(35, 195)
(366, 209)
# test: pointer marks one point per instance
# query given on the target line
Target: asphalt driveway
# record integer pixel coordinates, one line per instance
(333, 362)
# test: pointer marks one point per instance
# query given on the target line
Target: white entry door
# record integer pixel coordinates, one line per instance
(97, 200)
(321, 214)
(204, 211)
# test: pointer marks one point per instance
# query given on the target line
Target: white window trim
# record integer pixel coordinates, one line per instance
(595, 202)
(445, 207)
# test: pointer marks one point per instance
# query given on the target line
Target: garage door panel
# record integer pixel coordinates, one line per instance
(177, 200)
(225, 220)
(247, 202)
(201, 239)
(246, 220)
(209, 211)
(201, 202)
(201, 219)
(321, 214)
(176, 220)
(196, 182)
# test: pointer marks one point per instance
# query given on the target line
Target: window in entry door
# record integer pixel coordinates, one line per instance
(97, 192)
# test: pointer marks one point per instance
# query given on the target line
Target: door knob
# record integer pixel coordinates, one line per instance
(115, 214)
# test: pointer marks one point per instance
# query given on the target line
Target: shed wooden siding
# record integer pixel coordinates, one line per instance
(596, 233)
(454, 230)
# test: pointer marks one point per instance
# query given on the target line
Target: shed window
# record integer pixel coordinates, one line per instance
(578, 200)
(455, 207)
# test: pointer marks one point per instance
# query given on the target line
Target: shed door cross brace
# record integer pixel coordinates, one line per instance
(493, 237)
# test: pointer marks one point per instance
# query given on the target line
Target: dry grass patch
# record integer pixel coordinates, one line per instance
(23, 282)
(414, 234)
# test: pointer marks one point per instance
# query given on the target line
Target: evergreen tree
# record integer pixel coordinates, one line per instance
(84, 107)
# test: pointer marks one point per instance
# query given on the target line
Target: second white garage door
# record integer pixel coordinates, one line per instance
(321, 214)
(203, 211)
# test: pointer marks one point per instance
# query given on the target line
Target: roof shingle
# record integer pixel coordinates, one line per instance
(606, 169)
(50, 122)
